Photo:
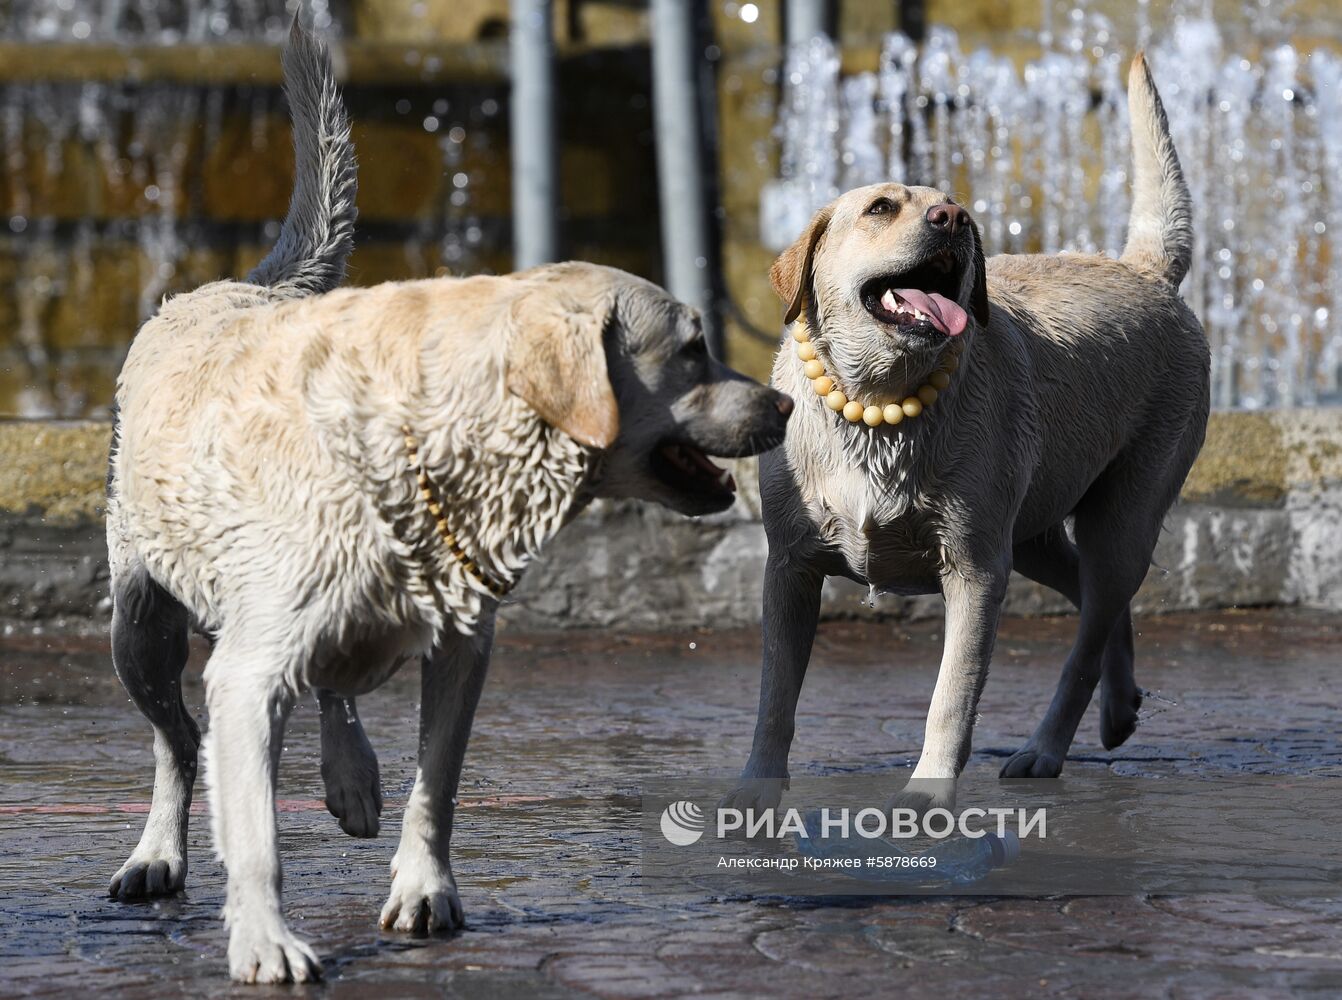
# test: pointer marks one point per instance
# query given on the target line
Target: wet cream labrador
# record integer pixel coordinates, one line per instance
(332, 483)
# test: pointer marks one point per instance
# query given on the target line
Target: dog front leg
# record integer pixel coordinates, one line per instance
(973, 605)
(248, 704)
(791, 610)
(423, 891)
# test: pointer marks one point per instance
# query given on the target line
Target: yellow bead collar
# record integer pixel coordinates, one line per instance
(871, 415)
(429, 494)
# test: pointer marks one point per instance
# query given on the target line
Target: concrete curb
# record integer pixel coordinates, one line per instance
(1257, 525)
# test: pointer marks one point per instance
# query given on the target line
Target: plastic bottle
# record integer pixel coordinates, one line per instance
(962, 860)
(958, 861)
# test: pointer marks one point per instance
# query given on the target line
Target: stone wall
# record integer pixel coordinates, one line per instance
(1256, 525)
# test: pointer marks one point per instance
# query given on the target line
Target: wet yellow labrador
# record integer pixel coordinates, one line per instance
(960, 417)
(331, 483)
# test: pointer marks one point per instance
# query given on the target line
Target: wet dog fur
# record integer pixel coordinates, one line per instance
(261, 489)
(1077, 410)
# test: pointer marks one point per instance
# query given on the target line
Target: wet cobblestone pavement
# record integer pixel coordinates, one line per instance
(547, 852)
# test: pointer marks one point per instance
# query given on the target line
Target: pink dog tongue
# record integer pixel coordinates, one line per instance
(945, 315)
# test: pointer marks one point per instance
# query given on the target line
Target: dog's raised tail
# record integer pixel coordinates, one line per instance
(318, 233)
(1160, 228)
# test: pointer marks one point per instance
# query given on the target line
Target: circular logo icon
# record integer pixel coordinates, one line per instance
(682, 823)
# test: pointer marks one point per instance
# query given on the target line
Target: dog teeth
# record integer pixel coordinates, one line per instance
(896, 306)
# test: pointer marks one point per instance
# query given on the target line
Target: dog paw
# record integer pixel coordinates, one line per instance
(259, 952)
(146, 878)
(1031, 762)
(922, 795)
(356, 804)
(354, 791)
(423, 900)
(1118, 716)
(755, 796)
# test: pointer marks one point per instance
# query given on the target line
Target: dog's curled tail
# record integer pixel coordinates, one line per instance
(1160, 227)
(318, 233)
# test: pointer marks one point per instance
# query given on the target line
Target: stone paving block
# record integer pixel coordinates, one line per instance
(547, 849)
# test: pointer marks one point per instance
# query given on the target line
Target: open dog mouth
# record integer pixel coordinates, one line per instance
(921, 300)
(688, 469)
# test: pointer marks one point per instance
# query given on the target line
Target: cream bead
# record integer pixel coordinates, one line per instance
(873, 415)
(800, 334)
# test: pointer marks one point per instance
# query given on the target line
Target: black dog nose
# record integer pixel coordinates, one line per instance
(784, 404)
(947, 216)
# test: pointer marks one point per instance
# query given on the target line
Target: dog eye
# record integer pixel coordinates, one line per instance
(882, 206)
(696, 347)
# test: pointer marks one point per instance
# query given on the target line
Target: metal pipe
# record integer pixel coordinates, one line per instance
(680, 161)
(913, 19)
(804, 20)
(535, 159)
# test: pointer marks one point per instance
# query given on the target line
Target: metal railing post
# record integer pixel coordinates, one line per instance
(535, 157)
(804, 20)
(680, 161)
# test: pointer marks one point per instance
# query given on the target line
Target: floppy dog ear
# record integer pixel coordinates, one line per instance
(791, 272)
(556, 361)
(978, 299)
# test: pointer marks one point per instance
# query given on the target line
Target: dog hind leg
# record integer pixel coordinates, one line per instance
(349, 767)
(149, 651)
(1117, 524)
(1051, 559)
(1120, 697)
